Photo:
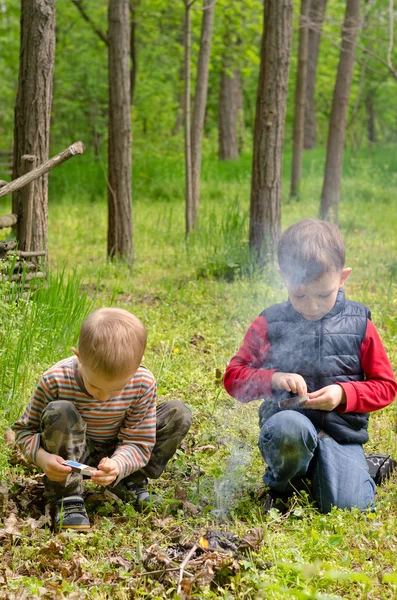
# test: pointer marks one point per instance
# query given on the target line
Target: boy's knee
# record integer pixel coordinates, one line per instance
(181, 416)
(288, 429)
(60, 413)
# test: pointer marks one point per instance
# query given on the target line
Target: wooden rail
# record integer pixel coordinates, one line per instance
(17, 184)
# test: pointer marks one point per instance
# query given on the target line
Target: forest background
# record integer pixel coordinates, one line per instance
(197, 296)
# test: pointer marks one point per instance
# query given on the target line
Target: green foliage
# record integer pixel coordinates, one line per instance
(36, 332)
(80, 84)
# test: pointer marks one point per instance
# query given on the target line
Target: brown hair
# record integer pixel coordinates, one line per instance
(112, 341)
(310, 248)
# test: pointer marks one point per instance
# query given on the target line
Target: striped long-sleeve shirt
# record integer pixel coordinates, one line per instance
(129, 418)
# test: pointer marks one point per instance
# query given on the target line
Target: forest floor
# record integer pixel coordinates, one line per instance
(197, 298)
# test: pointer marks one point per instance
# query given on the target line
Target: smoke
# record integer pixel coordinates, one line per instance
(230, 485)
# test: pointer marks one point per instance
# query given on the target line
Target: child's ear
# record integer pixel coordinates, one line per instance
(345, 274)
(76, 352)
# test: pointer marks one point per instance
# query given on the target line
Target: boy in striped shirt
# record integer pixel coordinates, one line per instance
(99, 408)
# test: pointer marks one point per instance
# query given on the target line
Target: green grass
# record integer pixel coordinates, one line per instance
(205, 286)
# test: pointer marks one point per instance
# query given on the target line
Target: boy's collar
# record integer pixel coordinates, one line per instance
(339, 305)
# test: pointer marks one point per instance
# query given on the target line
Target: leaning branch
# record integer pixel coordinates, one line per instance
(79, 5)
(13, 186)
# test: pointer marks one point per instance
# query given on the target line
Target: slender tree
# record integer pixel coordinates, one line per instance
(265, 211)
(120, 242)
(33, 105)
(194, 127)
(103, 36)
(300, 98)
(229, 109)
(337, 127)
(200, 102)
(316, 19)
(189, 210)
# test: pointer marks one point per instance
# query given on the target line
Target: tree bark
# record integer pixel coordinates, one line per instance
(133, 48)
(120, 244)
(33, 105)
(228, 116)
(25, 220)
(316, 19)
(240, 113)
(265, 210)
(336, 136)
(200, 102)
(188, 143)
(300, 98)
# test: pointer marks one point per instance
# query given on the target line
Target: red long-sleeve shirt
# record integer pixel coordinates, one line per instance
(246, 377)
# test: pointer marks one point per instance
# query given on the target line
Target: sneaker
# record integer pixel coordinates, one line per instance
(277, 500)
(380, 467)
(138, 494)
(70, 513)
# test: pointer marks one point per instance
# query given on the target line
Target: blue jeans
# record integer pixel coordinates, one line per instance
(293, 448)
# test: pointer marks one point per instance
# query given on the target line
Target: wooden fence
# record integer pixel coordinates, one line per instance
(26, 261)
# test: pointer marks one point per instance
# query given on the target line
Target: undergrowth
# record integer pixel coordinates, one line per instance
(197, 297)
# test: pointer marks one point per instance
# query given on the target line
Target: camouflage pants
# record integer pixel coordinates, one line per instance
(63, 432)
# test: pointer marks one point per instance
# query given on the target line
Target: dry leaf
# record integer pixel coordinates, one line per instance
(37, 524)
(11, 525)
(9, 437)
(119, 561)
(191, 508)
(186, 588)
(252, 539)
(3, 497)
(196, 339)
(204, 448)
(53, 548)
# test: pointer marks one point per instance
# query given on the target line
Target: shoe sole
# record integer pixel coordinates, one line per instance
(82, 528)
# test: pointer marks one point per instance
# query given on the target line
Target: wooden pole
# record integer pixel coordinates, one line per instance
(23, 276)
(24, 226)
(13, 186)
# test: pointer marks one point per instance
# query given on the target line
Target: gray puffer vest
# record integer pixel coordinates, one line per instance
(324, 352)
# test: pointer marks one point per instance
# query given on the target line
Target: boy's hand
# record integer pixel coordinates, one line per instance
(107, 472)
(327, 398)
(52, 465)
(291, 382)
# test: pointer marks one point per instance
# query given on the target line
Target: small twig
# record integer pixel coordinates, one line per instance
(165, 571)
(183, 565)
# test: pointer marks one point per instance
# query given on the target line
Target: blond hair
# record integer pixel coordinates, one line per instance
(310, 248)
(112, 341)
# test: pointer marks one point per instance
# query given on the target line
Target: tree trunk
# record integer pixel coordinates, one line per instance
(300, 97)
(120, 243)
(200, 102)
(337, 126)
(33, 106)
(240, 113)
(133, 49)
(265, 211)
(188, 143)
(316, 18)
(228, 117)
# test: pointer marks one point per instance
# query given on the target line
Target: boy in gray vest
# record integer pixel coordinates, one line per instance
(318, 362)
